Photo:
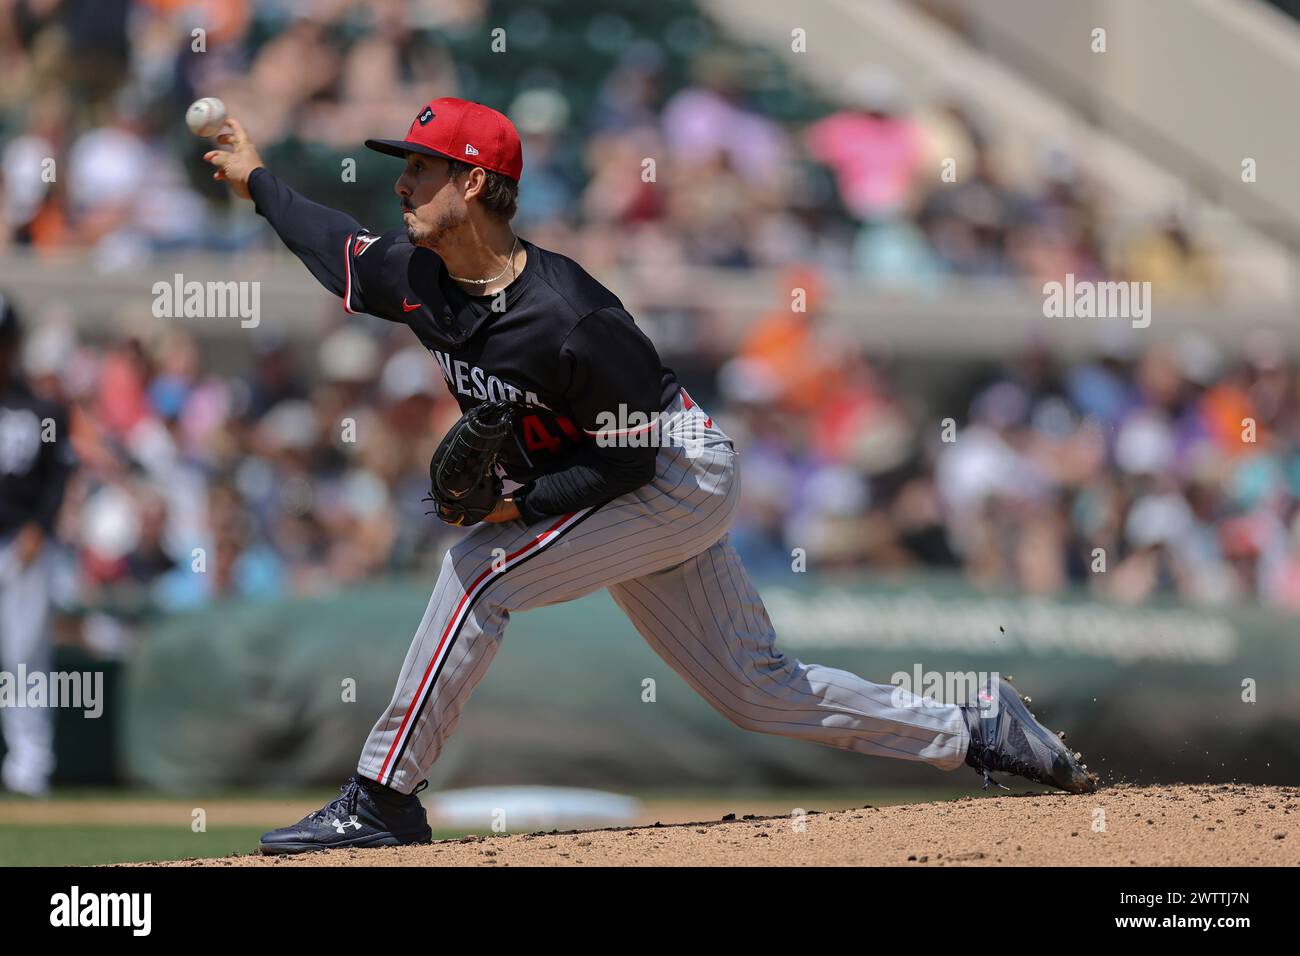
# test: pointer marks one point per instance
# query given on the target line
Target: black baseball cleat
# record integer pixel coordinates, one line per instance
(365, 814)
(1004, 736)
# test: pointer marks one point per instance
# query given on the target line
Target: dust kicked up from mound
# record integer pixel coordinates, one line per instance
(1191, 825)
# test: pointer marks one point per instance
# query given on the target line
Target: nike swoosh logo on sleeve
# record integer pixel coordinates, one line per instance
(409, 308)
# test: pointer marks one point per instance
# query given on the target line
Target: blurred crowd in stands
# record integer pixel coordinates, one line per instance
(1130, 475)
(1169, 471)
(647, 139)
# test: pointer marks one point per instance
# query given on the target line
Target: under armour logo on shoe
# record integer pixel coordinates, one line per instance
(470, 150)
(352, 822)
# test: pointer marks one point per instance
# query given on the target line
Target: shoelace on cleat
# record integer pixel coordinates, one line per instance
(988, 778)
(1005, 764)
(988, 757)
(345, 804)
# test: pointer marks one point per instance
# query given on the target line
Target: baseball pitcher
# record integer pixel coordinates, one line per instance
(619, 481)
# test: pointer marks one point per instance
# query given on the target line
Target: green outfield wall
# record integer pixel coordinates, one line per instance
(284, 693)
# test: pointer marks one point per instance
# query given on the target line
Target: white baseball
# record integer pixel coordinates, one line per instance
(205, 117)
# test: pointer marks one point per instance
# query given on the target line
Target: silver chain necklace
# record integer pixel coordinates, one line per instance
(510, 262)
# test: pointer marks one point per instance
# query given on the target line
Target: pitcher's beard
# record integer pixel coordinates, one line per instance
(430, 234)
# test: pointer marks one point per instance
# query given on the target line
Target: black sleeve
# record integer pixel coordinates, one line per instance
(345, 258)
(55, 466)
(615, 373)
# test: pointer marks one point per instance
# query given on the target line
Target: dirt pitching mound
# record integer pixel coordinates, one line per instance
(1197, 825)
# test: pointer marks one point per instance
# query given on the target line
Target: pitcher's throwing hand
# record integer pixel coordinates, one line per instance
(236, 164)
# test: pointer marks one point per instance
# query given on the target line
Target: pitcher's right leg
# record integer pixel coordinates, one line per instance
(707, 622)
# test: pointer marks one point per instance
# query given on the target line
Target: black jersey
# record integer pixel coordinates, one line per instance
(556, 343)
(35, 459)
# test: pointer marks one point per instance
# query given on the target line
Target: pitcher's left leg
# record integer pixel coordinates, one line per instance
(452, 649)
(706, 621)
(499, 569)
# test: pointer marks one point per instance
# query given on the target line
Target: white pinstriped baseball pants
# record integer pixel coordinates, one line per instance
(664, 554)
(24, 640)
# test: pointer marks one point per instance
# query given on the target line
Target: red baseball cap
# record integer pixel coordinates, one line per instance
(458, 129)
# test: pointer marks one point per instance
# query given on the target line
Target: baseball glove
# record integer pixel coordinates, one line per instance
(464, 485)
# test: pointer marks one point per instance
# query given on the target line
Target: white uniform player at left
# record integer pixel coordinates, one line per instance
(35, 461)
